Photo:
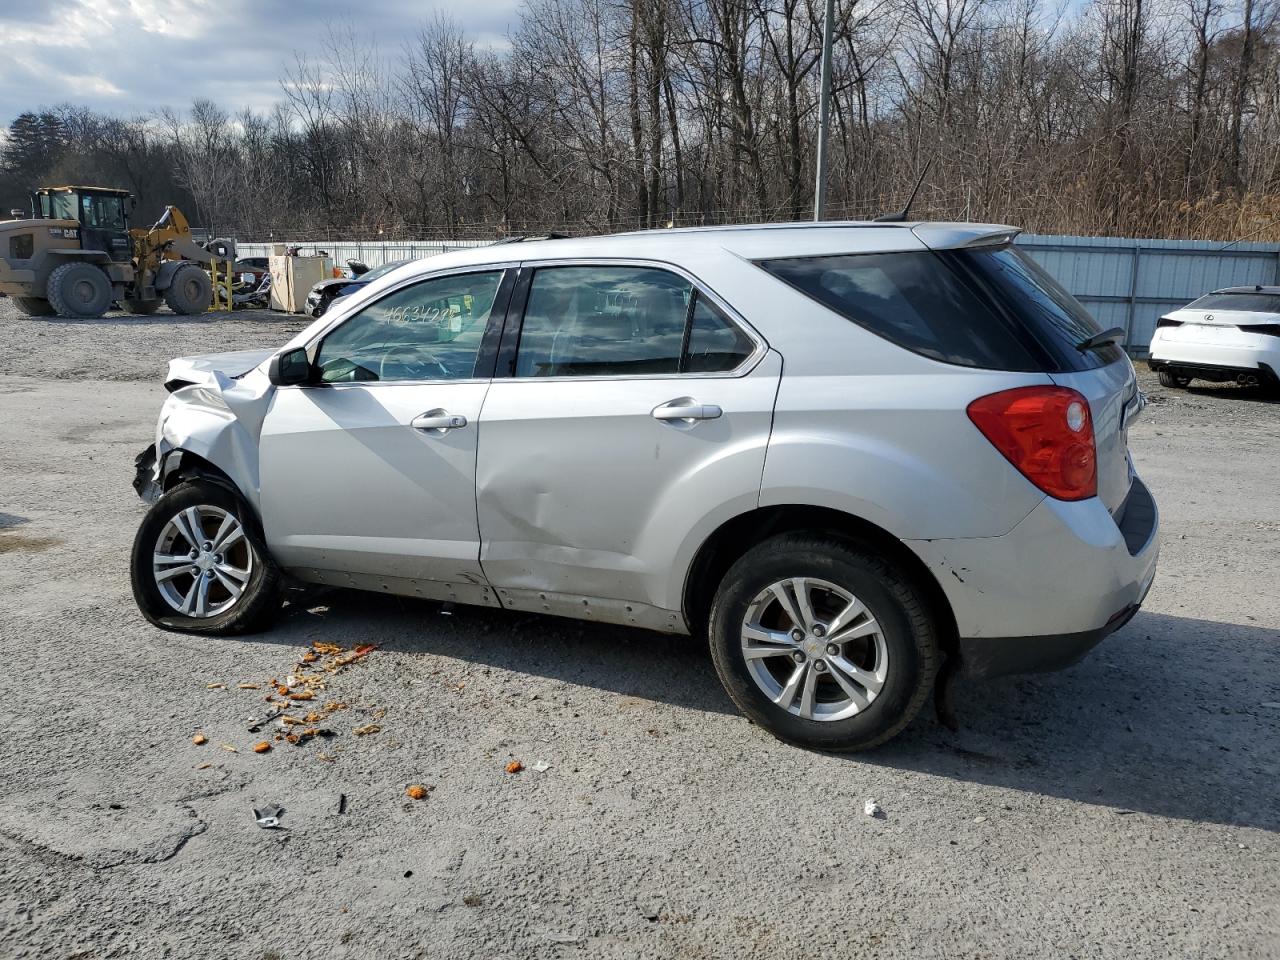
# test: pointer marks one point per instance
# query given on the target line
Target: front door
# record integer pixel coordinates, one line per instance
(637, 410)
(368, 475)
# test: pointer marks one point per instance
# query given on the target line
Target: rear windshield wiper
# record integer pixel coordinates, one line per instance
(1114, 335)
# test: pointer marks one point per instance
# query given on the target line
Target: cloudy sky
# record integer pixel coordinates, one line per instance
(134, 56)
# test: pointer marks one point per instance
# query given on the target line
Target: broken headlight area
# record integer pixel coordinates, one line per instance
(144, 477)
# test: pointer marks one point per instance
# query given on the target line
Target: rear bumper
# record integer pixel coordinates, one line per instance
(1217, 373)
(1045, 593)
(1236, 351)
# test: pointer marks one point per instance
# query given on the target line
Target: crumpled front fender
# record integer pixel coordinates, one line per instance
(219, 420)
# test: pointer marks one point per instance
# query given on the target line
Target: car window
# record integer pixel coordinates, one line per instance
(715, 342)
(603, 321)
(913, 300)
(429, 331)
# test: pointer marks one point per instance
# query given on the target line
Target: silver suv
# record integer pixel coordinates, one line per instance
(852, 456)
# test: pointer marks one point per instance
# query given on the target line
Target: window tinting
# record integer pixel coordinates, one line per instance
(1252, 302)
(715, 344)
(603, 321)
(429, 331)
(1039, 303)
(914, 300)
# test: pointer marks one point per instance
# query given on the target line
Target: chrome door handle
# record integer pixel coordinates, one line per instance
(438, 420)
(685, 408)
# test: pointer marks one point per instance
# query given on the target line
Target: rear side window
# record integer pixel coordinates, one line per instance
(610, 321)
(914, 300)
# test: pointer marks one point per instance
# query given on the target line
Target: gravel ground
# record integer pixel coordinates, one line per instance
(1126, 807)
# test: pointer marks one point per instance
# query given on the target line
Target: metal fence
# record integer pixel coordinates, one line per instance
(1124, 283)
(1131, 283)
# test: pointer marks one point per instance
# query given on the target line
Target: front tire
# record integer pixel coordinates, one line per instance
(191, 290)
(823, 642)
(199, 564)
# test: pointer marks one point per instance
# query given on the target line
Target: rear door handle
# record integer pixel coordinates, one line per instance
(686, 408)
(438, 420)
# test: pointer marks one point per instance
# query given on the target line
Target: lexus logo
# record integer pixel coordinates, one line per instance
(1208, 318)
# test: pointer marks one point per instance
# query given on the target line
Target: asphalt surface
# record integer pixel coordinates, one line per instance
(1127, 807)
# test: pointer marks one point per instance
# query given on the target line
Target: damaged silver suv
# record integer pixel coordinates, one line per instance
(852, 456)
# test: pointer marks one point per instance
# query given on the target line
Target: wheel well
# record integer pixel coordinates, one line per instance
(733, 538)
(183, 465)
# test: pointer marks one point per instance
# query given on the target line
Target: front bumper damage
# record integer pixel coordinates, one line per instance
(145, 479)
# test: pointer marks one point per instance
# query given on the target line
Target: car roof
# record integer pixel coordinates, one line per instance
(66, 188)
(1251, 289)
(750, 241)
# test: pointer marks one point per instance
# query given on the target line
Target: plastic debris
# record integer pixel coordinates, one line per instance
(417, 792)
(541, 766)
(262, 747)
(248, 686)
(342, 804)
(256, 725)
(873, 809)
(215, 686)
(199, 739)
(367, 729)
(515, 766)
(268, 818)
(979, 819)
(228, 747)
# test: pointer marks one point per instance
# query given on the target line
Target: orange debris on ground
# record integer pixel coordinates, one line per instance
(515, 766)
(199, 739)
(417, 792)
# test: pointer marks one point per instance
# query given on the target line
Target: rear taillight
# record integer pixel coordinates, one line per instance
(1167, 322)
(1047, 433)
(1270, 329)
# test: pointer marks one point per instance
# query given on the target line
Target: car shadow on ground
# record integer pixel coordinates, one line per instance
(1171, 716)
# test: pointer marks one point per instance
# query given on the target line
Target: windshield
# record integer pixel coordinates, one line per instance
(1251, 302)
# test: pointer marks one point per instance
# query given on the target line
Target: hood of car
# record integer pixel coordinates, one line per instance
(185, 370)
(1211, 316)
(331, 282)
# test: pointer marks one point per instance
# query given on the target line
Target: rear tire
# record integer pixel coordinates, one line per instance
(170, 585)
(79, 290)
(143, 308)
(190, 292)
(866, 687)
(33, 306)
(1174, 381)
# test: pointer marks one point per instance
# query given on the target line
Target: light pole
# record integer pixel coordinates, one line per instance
(824, 114)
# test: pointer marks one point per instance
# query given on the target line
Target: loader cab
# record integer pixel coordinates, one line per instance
(102, 212)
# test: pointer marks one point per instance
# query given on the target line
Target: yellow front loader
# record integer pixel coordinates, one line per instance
(77, 254)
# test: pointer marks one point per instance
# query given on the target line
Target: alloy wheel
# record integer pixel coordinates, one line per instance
(202, 561)
(814, 649)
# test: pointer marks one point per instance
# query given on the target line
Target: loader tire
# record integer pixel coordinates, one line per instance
(191, 290)
(34, 306)
(79, 290)
(143, 307)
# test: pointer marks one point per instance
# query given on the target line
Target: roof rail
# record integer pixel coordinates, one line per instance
(531, 236)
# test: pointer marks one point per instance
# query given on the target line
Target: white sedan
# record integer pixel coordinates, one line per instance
(1230, 335)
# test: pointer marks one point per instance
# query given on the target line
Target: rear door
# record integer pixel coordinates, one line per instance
(628, 406)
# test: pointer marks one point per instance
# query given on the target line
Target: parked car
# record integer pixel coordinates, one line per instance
(1231, 334)
(843, 453)
(321, 296)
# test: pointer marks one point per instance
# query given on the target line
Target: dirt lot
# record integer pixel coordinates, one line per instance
(1125, 808)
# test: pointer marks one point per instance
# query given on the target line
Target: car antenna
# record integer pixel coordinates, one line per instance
(901, 215)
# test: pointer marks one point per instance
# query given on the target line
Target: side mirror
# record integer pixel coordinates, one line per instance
(290, 368)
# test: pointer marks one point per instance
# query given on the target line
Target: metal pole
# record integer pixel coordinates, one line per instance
(824, 114)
